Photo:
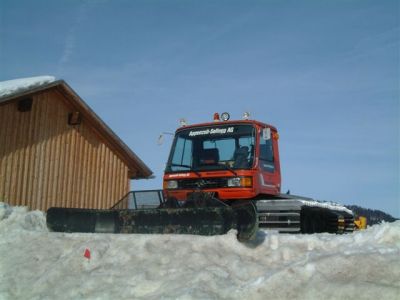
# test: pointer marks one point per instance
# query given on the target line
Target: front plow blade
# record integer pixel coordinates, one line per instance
(199, 221)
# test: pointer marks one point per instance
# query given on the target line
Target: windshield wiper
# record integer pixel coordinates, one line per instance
(228, 168)
(186, 166)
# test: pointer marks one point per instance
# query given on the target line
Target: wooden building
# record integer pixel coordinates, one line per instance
(55, 151)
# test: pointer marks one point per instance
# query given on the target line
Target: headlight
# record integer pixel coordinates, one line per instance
(234, 181)
(225, 116)
(170, 184)
(240, 182)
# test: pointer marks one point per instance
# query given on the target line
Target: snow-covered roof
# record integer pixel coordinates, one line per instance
(11, 87)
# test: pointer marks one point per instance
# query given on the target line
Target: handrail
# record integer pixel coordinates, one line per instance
(130, 201)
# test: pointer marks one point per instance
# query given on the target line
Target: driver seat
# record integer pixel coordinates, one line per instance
(240, 157)
(209, 157)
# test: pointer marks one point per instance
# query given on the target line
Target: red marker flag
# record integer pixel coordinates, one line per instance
(87, 253)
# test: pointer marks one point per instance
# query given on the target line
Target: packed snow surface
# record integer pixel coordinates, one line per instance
(14, 86)
(38, 264)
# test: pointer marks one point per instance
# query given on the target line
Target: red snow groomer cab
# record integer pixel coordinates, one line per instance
(238, 161)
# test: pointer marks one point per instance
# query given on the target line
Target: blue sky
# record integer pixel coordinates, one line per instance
(325, 73)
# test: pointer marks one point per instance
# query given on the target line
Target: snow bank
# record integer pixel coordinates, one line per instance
(37, 264)
(19, 218)
(10, 87)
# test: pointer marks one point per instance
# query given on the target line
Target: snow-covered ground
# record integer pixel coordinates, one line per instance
(37, 264)
(19, 85)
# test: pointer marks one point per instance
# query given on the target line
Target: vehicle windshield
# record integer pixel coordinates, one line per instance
(215, 147)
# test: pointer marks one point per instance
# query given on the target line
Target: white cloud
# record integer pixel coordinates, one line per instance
(70, 39)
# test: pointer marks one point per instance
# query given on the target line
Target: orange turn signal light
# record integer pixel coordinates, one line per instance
(246, 181)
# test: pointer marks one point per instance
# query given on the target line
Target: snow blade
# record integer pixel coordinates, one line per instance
(199, 221)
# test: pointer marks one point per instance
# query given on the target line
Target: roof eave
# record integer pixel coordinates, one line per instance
(135, 164)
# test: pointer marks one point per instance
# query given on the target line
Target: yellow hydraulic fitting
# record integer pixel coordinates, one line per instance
(360, 223)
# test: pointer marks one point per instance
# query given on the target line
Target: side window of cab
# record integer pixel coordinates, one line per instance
(266, 152)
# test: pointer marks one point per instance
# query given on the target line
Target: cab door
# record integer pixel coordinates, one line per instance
(268, 161)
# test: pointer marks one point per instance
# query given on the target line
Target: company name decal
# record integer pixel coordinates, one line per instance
(179, 175)
(211, 131)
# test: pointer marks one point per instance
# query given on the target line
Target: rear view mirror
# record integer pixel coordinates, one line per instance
(160, 139)
(266, 133)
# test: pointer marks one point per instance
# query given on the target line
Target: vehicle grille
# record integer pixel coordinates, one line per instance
(203, 183)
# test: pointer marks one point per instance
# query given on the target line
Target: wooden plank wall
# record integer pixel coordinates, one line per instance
(45, 162)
